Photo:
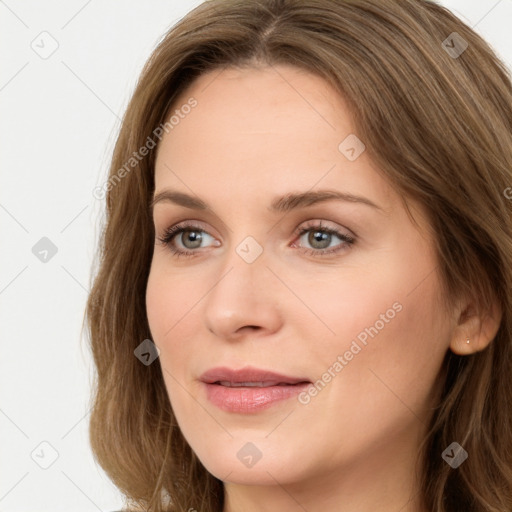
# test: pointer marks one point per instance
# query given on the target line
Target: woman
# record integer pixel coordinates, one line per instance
(303, 298)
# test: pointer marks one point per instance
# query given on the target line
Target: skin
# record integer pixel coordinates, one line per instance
(255, 134)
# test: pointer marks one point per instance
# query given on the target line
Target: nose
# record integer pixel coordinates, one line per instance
(245, 300)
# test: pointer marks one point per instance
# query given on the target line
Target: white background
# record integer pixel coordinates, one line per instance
(59, 120)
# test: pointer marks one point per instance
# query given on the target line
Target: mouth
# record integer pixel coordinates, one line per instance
(267, 384)
(248, 376)
(249, 390)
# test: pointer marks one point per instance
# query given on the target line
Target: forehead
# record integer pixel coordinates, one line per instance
(265, 100)
(262, 129)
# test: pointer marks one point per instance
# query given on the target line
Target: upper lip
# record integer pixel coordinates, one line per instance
(248, 374)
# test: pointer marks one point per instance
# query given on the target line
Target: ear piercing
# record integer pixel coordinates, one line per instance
(467, 341)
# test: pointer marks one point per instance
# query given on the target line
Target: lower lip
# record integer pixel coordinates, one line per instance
(250, 399)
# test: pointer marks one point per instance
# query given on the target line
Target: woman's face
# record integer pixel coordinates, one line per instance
(351, 306)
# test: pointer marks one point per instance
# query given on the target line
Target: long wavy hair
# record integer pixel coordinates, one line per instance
(438, 124)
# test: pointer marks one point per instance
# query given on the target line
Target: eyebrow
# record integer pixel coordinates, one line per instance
(281, 204)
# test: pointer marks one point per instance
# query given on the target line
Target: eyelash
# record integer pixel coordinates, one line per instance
(174, 231)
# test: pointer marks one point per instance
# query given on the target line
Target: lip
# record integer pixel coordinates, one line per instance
(267, 389)
(247, 374)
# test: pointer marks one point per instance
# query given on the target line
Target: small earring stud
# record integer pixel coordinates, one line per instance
(467, 341)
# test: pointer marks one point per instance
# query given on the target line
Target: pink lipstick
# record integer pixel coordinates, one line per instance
(249, 390)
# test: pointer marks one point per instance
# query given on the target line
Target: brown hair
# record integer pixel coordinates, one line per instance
(438, 125)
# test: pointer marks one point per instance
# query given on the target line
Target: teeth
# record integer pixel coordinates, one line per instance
(250, 384)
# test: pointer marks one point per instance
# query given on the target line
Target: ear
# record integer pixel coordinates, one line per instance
(480, 327)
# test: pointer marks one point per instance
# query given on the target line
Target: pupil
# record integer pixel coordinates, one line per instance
(194, 237)
(319, 236)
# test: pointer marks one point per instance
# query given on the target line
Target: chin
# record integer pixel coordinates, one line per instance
(253, 463)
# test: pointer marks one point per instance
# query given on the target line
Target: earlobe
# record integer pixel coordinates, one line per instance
(475, 331)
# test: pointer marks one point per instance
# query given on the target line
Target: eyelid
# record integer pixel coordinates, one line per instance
(190, 223)
(320, 224)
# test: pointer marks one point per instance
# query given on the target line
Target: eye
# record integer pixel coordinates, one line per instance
(320, 238)
(184, 239)
(191, 238)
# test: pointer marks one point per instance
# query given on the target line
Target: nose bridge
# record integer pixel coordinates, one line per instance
(243, 268)
(242, 294)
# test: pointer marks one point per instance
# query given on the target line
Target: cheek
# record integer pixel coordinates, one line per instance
(168, 309)
(389, 331)
(160, 303)
(173, 307)
(170, 302)
(392, 341)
